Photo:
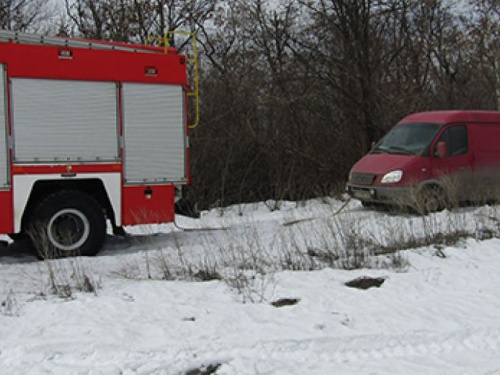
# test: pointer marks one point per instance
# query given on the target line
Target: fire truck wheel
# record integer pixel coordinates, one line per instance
(68, 223)
(16, 236)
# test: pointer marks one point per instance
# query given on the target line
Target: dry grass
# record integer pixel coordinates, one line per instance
(247, 256)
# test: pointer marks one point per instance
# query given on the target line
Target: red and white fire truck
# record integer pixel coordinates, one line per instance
(90, 131)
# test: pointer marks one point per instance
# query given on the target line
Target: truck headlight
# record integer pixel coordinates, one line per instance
(392, 177)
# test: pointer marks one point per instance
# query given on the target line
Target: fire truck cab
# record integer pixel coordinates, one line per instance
(90, 131)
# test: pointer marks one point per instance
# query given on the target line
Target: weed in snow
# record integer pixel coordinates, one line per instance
(247, 256)
(9, 306)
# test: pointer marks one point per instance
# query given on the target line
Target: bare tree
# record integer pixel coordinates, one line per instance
(137, 20)
(24, 15)
(106, 19)
(354, 46)
(484, 33)
(154, 18)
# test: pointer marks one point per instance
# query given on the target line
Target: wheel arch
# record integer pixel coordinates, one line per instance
(429, 184)
(426, 185)
(30, 190)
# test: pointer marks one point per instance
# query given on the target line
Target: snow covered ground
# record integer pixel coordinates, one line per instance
(438, 311)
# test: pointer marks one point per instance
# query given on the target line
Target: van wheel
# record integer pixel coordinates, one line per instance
(67, 223)
(431, 199)
(368, 205)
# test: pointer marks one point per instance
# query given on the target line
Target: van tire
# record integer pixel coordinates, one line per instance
(369, 205)
(375, 206)
(67, 223)
(431, 199)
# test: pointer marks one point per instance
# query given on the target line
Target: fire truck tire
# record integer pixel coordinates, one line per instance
(16, 236)
(67, 223)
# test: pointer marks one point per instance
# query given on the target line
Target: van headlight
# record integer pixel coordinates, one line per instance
(392, 177)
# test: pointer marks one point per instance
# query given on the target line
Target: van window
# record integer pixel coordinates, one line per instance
(456, 141)
(408, 139)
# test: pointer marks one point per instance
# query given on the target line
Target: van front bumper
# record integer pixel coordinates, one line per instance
(401, 195)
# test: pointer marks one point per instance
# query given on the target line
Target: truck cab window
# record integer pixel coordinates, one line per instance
(456, 141)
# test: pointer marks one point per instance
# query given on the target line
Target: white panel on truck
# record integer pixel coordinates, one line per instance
(154, 131)
(63, 120)
(4, 159)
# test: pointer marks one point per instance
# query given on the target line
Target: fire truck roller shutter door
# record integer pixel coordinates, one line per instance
(155, 133)
(64, 120)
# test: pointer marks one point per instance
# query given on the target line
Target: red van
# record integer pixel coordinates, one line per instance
(432, 159)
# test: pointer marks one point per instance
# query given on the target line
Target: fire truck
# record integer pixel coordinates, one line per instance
(91, 133)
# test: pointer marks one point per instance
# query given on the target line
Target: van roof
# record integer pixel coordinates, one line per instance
(443, 117)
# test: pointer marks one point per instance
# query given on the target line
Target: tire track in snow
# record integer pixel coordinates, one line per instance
(363, 348)
(338, 350)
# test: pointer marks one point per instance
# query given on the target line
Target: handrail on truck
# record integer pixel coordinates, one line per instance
(165, 42)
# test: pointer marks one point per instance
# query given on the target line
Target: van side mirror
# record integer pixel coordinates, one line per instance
(441, 149)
